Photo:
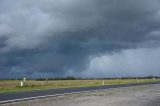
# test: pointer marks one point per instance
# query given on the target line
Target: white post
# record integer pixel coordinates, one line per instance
(103, 82)
(21, 84)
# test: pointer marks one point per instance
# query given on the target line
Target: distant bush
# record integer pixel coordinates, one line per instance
(60, 78)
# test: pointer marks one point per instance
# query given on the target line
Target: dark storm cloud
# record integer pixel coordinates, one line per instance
(62, 36)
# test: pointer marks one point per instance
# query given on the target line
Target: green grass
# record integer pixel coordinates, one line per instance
(13, 85)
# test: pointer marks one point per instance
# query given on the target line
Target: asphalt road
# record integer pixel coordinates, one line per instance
(29, 95)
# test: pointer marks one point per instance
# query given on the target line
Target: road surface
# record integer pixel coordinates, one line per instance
(29, 95)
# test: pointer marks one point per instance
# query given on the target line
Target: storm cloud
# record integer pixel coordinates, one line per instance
(72, 37)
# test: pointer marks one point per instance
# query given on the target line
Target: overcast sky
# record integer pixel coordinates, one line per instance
(85, 38)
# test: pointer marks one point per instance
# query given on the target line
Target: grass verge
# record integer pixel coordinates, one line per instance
(14, 85)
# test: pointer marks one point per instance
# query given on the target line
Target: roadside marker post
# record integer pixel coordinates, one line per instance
(21, 84)
(103, 82)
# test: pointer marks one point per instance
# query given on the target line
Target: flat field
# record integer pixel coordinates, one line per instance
(14, 85)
